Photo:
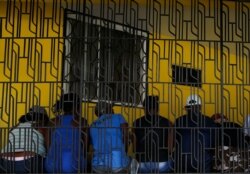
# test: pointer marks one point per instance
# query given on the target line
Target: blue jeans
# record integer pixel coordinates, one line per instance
(65, 163)
(156, 167)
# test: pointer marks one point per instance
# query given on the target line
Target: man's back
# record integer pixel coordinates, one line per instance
(66, 148)
(195, 141)
(107, 140)
(152, 138)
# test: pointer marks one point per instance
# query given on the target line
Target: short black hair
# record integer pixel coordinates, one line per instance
(151, 102)
(103, 107)
(34, 117)
(68, 102)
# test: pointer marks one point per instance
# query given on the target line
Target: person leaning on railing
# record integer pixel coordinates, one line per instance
(25, 150)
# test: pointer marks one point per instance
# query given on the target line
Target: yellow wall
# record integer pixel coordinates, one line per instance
(30, 70)
(232, 93)
(32, 49)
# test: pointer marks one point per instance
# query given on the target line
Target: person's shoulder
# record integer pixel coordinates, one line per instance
(95, 121)
(53, 121)
(116, 116)
(164, 120)
(81, 119)
(139, 120)
(118, 119)
(209, 121)
(231, 124)
(180, 119)
(208, 118)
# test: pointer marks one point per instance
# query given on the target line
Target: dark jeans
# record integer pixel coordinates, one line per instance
(156, 167)
(189, 164)
(31, 165)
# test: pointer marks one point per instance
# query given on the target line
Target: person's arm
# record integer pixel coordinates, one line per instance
(125, 133)
(49, 127)
(133, 137)
(85, 133)
(247, 141)
(175, 134)
(170, 139)
(81, 122)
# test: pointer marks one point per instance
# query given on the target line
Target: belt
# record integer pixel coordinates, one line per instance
(19, 158)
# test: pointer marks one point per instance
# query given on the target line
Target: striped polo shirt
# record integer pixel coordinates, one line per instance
(25, 138)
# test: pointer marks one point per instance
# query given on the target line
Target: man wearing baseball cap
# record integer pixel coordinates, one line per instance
(195, 139)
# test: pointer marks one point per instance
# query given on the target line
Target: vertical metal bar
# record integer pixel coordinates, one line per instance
(222, 80)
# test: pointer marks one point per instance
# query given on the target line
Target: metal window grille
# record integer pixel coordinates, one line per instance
(122, 51)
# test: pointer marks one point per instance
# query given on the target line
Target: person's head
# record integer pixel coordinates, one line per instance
(193, 103)
(36, 114)
(68, 103)
(151, 105)
(103, 107)
(219, 118)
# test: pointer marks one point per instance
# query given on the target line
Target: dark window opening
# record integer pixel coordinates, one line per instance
(186, 76)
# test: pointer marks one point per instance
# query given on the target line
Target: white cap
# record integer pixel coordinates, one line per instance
(193, 100)
(246, 125)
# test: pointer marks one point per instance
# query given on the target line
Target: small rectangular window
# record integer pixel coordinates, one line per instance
(186, 76)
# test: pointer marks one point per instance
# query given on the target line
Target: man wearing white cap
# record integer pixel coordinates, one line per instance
(195, 139)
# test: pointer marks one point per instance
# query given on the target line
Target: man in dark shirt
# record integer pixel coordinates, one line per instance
(232, 132)
(195, 139)
(153, 139)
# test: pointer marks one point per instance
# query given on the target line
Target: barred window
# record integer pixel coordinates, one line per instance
(107, 58)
